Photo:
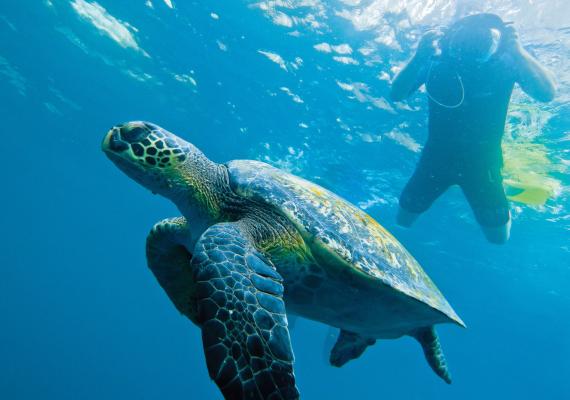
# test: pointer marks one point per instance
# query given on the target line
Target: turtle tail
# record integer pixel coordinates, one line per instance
(427, 337)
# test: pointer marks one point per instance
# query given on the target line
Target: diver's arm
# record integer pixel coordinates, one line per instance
(407, 82)
(409, 79)
(533, 78)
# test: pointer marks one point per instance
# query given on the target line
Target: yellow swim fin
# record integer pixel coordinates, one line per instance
(528, 193)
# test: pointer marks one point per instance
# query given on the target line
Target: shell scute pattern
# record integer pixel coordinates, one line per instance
(340, 227)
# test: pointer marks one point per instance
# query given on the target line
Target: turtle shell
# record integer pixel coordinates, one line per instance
(334, 225)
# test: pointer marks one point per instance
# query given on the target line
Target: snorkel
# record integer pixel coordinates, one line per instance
(474, 39)
(471, 41)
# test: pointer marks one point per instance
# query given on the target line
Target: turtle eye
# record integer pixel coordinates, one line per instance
(134, 134)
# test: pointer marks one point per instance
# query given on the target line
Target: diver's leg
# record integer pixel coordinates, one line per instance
(406, 218)
(498, 234)
(485, 193)
(426, 184)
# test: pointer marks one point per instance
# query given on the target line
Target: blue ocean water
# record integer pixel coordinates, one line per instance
(303, 85)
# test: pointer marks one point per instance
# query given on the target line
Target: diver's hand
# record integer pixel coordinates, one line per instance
(533, 78)
(511, 42)
(513, 53)
(427, 46)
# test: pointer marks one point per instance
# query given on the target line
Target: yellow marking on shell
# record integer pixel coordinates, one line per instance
(329, 205)
(383, 238)
(317, 191)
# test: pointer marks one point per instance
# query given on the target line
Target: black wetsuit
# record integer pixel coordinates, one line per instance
(464, 143)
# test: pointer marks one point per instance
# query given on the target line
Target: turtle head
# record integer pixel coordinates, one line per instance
(160, 161)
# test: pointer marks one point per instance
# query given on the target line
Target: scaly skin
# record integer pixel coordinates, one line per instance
(169, 260)
(242, 315)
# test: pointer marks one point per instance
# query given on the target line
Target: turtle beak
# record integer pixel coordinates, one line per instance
(113, 142)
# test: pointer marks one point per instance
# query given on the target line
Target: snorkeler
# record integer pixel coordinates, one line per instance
(469, 73)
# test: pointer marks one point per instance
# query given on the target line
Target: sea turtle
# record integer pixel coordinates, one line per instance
(255, 241)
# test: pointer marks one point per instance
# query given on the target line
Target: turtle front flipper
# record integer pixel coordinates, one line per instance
(433, 352)
(348, 346)
(242, 314)
(168, 257)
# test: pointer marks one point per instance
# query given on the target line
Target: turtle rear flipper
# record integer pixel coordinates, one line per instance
(427, 337)
(348, 346)
(242, 315)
